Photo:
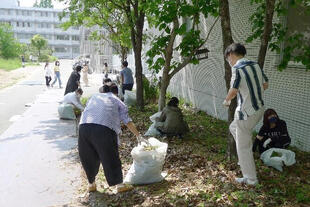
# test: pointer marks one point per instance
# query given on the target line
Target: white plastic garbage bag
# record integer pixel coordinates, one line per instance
(154, 116)
(285, 156)
(147, 162)
(66, 111)
(152, 131)
(130, 98)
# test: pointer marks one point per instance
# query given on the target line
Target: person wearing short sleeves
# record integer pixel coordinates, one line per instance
(99, 128)
(248, 83)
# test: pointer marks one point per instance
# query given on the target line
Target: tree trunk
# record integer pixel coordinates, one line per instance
(227, 40)
(123, 53)
(270, 4)
(163, 90)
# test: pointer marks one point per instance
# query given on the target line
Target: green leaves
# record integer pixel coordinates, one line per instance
(177, 20)
(9, 46)
(295, 48)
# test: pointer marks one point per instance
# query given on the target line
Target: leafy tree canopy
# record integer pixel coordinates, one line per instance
(43, 4)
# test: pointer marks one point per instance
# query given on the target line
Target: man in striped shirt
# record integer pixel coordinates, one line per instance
(248, 82)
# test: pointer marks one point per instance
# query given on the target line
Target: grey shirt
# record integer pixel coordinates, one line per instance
(127, 74)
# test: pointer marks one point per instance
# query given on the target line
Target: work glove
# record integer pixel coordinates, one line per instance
(266, 142)
(226, 103)
(142, 140)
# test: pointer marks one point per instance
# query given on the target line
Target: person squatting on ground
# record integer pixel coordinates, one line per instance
(74, 98)
(85, 74)
(126, 78)
(57, 74)
(100, 126)
(74, 80)
(171, 121)
(48, 74)
(273, 133)
(248, 81)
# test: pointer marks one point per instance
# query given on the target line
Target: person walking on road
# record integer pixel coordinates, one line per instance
(106, 70)
(248, 81)
(23, 61)
(85, 74)
(48, 74)
(99, 129)
(126, 78)
(74, 80)
(57, 74)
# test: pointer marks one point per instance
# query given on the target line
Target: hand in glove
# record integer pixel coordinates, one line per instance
(141, 139)
(226, 103)
(266, 142)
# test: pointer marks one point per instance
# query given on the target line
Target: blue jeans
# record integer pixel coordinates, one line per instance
(57, 76)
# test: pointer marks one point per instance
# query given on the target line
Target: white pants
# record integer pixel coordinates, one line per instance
(242, 133)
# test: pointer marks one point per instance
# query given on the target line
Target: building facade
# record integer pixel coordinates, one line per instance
(27, 22)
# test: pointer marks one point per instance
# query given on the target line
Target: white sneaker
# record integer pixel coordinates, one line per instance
(246, 181)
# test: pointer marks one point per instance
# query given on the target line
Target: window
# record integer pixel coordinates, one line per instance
(17, 24)
(28, 24)
(24, 24)
(61, 49)
(75, 50)
(62, 37)
(75, 38)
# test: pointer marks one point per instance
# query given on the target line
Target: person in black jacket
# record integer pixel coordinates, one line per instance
(273, 133)
(74, 80)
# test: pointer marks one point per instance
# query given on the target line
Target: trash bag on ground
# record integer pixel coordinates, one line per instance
(130, 98)
(65, 111)
(152, 131)
(148, 161)
(276, 157)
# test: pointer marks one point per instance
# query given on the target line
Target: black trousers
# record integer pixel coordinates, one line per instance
(127, 87)
(48, 80)
(98, 143)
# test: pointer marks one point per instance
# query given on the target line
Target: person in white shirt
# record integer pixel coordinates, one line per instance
(48, 74)
(73, 98)
(248, 81)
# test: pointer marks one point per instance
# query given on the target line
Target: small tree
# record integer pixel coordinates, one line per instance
(177, 19)
(43, 4)
(133, 12)
(227, 40)
(99, 13)
(39, 43)
(9, 46)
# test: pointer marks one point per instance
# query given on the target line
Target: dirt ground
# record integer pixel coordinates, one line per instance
(9, 78)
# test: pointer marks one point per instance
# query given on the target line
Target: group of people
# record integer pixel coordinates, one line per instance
(49, 74)
(100, 123)
(249, 82)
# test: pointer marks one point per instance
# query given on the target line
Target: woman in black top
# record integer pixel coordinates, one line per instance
(273, 133)
(74, 80)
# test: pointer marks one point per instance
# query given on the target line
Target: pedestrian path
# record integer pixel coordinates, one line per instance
(38, 157)
(38, 154)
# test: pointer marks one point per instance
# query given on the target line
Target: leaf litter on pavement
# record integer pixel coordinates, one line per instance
(199, 174)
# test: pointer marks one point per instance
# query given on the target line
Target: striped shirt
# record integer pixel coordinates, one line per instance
(248, 78)
(106, 109)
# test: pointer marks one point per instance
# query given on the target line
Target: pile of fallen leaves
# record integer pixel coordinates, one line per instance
(200, 175)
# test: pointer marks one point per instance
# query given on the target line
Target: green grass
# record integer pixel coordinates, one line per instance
(10, 64)
(14, 63)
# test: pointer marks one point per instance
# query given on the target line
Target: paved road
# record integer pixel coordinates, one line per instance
(38, 152)
(13, 99)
